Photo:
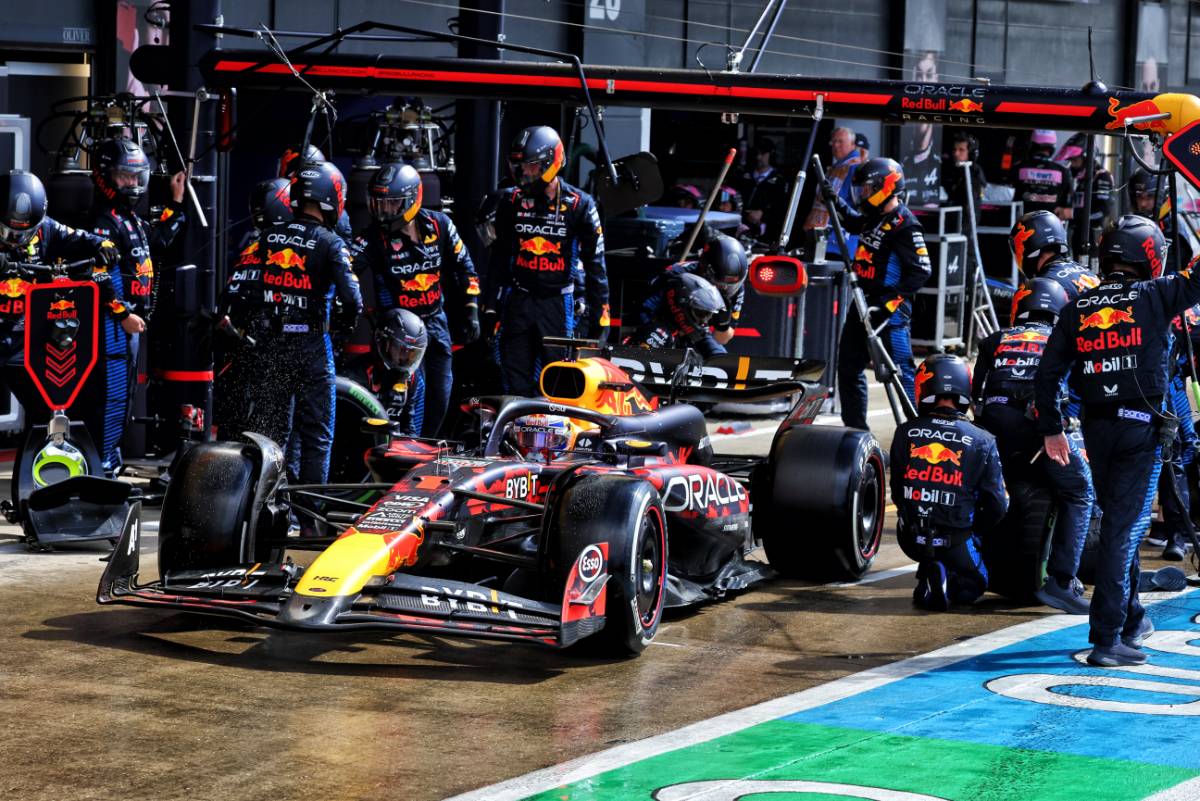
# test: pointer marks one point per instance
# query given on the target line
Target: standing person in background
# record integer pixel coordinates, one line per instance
(846, 158)
(1074, 154)
(765, 193)
(1042, 184)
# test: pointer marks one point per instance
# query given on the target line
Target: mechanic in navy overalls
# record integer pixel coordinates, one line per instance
(407, 249)
(948, 487)
(1003, 393)
(1116, 335)
(281, 293)
(682, 316)
(1038, 242)
(891, 263)
(121, 173)
(723, 264)
(543, 227)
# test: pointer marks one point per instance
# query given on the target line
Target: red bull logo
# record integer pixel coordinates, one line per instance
(935, 453)
(1030, 336)
(966, 106)
(145, 268)
(1085, 282)
(1106, 318)
(14, 288)
(419, 283)
(540, 246)
(1142, 108)
(286, 259)
(1018, 243)
(62, 305)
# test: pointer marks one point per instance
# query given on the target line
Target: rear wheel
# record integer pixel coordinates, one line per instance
(819, 502)
(625, 514)
(1016, 549)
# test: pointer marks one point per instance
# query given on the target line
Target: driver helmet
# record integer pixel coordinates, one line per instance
(121, 171)
(401, 340)
(24, 199)
(540, 437)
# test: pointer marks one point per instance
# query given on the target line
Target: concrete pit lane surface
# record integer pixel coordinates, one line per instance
(131, 703)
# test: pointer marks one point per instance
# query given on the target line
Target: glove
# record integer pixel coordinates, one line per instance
(108, 255)
(491, 323)
(4, 261)
(471, 325)
(827, 190)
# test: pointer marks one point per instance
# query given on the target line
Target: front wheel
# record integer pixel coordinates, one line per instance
(819, 502)
(626, 515)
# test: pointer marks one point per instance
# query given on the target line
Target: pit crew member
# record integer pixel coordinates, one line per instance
(891, 264)
(947, 486)
(1003, 393)
(543, 227)
(682, 314)
(1116, 335)
(407, 250)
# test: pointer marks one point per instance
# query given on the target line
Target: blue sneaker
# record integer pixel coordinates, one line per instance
(1069, 599)
(1116, 655)
(1144, 630)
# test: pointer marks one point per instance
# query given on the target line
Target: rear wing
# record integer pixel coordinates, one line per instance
(720, 378)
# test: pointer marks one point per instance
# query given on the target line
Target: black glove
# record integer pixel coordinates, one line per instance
(108, 255)
(471, 325)
(491, 322)
(4, 261)
(827, 190)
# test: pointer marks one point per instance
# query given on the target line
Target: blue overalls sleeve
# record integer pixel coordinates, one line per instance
(454, 252)
(1047, 381)
(909, 246)
(991, 499)
(70, 244)
(591, 251)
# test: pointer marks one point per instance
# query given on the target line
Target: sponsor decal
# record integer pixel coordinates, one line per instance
(591, 564)
(1142, 108)
(1106, 318)
(286, 259)
(923, 495)
(935, 453)
(1109, 340)
(701, 492)
(1113, 364)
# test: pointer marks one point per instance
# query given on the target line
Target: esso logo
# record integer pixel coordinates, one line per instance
(591, 561)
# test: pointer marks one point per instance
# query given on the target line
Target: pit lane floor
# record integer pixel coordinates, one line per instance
(141, 704)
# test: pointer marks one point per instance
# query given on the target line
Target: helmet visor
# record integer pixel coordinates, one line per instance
(131, 182)
(17, 237)
(398, 353)
(540, 435)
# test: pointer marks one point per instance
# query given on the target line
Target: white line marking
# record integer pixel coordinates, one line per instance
(618, 757)
(882, 575)
(1185, 791)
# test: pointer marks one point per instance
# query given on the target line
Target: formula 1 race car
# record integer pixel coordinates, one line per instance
(525, 539)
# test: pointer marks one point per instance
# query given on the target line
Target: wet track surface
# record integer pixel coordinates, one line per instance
(142, 704)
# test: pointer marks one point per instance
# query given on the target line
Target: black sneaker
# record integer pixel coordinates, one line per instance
(1176, 549)
(1069, 599)
(1116, 655)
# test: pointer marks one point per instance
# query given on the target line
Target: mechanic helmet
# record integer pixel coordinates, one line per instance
(698, 298)
(290, 160)
(1042, 142)
(485, 218)
(270, 202)
(1041, 299)
(1073, 148)
(394, 193)
(322, 183)
(1032, 235)
(401, 339)
(1144, 191)
(1134, 241)
(729, 200)
(723, 263)
(941, 375)
(875, 182)
(24, 200)
(684, 196)
(121, 171)
(536, 156)
(538, 437)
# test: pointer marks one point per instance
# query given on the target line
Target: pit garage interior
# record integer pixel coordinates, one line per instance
(791, 689)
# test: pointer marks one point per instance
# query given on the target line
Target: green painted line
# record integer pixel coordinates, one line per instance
(782, 752)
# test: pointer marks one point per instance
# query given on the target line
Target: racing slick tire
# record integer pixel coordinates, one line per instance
(347, 458)
(819, 502)
(1016, 549)
(627, 514)
(217, 506)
